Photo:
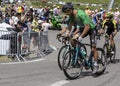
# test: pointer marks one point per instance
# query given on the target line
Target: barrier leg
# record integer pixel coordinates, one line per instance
(18, 58)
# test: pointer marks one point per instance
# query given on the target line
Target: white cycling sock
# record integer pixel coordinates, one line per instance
(95, 64)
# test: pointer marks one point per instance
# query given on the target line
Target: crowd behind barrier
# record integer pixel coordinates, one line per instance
(19, 46)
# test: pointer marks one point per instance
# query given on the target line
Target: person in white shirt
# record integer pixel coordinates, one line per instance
(45, 41)
(116, 15)
(40, 11)
(56, 11)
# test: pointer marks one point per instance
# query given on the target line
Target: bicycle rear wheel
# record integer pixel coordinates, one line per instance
(101, 61)
(63, 50)
(71, 70)
(112, 56)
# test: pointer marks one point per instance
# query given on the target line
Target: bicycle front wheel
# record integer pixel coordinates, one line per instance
(63, 50)
(101, 61)
(71, 69)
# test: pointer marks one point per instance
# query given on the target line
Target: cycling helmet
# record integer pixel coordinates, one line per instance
(109, 15)
(67, 6)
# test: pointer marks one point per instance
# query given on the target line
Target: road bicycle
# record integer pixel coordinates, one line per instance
(108, 49)
(64, 49)
(75, 59)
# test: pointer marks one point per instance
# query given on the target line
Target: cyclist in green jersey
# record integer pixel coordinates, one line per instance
(84, 26)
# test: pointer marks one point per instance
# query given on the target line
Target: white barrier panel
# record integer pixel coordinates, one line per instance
(4, 47)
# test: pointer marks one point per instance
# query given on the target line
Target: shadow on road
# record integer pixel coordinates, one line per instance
(116, 61)
(89, 73)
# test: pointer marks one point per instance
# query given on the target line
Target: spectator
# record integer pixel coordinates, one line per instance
(24, 32)
(116, 15)
(35, 30)
(45, 41)
(40, 22)
(11, 21)
(19, 9)
(56, 11)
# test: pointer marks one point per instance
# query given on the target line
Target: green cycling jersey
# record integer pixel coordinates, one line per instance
(82, 19)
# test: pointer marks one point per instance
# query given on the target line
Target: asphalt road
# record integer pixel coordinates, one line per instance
(45, 71)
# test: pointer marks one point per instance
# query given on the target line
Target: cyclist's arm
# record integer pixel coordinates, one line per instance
(97, 19)
(115, 27)
(115, 32)
(103, 27)
(66, 28)
(76, 31)
(85, 31)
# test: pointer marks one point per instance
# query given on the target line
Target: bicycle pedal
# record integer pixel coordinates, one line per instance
(86, 67)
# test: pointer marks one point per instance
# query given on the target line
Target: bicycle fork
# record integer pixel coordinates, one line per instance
(76, 56)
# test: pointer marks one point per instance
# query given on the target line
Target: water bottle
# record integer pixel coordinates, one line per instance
(83, 52)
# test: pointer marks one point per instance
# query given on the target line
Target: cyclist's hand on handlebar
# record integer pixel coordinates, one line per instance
(59, 34)
(58, 37)
(106, 35)
(80, 39)
(101, 31)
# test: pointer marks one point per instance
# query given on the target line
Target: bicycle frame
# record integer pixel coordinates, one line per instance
(79, 52)
(75, 60)
(67, 49)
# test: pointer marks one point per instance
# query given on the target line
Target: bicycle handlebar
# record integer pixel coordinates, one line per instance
(64, 39)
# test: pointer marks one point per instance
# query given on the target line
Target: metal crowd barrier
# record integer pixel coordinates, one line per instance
(20, 46)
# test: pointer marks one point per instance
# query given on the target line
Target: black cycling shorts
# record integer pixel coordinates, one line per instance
(91, 34)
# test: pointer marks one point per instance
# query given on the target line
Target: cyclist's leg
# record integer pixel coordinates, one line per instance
(93, 42)
(94, 50)
(111, 34)
(112, 43)
(111, 40)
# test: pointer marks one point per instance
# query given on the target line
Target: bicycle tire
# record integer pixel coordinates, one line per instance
(71, 71)
(78, 65)
(61, 55)
(105, 48)
(101, 61)
(112, 56)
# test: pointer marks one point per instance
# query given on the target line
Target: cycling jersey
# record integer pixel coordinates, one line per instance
(111, 26)
(82, 19)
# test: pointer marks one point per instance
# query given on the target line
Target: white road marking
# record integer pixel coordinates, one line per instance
(23, 62)
(60, 83)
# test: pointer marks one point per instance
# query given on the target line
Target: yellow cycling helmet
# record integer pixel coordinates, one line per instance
(109, 15)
